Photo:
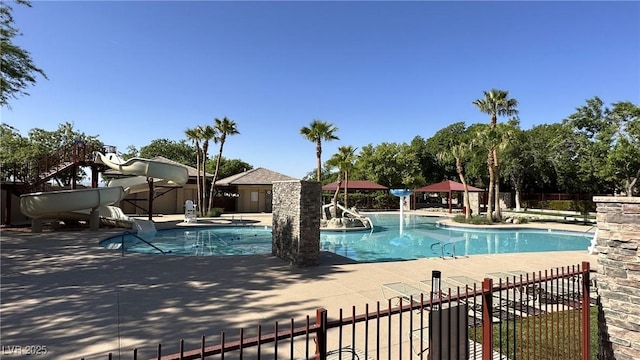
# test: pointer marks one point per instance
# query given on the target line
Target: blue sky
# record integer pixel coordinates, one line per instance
(135, 71)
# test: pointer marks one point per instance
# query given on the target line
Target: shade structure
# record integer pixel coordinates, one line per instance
(361, 185)
(447, 186)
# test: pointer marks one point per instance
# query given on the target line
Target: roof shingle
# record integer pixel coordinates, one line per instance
(257, 176)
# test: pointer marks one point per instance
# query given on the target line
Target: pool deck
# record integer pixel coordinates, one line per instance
(62, 290)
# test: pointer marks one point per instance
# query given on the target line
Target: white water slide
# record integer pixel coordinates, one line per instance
(96, 202)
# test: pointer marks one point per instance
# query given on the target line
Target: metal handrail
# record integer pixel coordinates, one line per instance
(442, 245)
(141, 239)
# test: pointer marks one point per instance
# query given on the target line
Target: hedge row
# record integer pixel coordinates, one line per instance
(561, 205)
(368, 201)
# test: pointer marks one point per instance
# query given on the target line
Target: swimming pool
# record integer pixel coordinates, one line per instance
(197, 241)
(420, 238)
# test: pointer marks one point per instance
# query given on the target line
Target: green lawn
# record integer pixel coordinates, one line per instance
(542, 337)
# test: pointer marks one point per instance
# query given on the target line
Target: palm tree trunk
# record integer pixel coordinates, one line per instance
(198, 189)
(496, 174)
(204, 183)
(346, 188)
(319, 161)
(632, 184)
(334, 212)
(215, 175)
(467, 203)
(491, 188)
(518, 186)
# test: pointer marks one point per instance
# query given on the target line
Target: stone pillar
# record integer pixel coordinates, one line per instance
(296, 221)
(618, 237)
(474, 201)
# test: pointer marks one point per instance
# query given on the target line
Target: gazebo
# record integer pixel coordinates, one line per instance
(361, 186)
(448, 186)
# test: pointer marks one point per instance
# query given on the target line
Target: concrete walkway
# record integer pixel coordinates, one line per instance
(61, 290)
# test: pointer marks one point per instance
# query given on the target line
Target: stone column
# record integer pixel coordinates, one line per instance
(296, 221)
(474, 201)
(618, 276)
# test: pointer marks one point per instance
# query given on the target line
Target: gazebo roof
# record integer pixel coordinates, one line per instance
(364, 185)
(446, 186)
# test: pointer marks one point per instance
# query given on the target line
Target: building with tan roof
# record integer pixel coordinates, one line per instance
(250, 191)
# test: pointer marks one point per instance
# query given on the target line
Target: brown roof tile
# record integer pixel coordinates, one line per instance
(257, 176)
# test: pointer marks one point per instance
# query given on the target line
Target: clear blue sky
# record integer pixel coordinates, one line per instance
(132, 72)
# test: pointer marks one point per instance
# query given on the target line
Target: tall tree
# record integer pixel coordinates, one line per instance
(344, 160)
(441, 142)
(223, 128)
(229, 167)
(16, 150)
(59, 144)
(495, 103)
(317, 132)
(624, 159)
(18, 70)
(131, 152)
(194, 136)
(518, 159)
(207, 134)
(610, 144)
(459, 153)
(178, 151)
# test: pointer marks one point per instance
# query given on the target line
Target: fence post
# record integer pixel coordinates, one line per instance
(321, 334)
(586, 311)
(487, 321)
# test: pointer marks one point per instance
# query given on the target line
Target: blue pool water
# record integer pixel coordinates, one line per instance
(420, 238)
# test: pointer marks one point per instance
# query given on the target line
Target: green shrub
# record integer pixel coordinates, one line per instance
(475, 220)
(585, 206)
(215, 212)
(561, 205)
(378, 200)
(581, 206)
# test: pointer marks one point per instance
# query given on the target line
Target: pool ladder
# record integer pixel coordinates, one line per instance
(442, 246)
(139, 238)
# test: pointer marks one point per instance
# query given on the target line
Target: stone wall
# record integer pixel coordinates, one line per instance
(296, 221)
(618, 276)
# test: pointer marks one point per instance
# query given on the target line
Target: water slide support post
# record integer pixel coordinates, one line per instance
(94, 220)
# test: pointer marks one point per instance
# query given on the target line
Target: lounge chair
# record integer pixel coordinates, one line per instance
(402, 291)
(467, 285)
(520, 299)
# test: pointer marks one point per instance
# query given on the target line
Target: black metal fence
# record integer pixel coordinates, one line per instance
(507, 315)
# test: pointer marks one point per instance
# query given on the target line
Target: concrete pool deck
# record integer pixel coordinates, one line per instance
(61, 290)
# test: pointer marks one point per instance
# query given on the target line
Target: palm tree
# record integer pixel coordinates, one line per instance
(348, 154)
(207, 134)
(334, 161)
(317, 131)
(194, 136)
(495, 103)
(223, 128)
(343, 160)
(459, 152)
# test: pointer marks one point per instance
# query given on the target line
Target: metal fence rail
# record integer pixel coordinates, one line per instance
(543, 315)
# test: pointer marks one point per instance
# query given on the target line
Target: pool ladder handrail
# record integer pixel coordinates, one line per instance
(139, 238)
(443, 245)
